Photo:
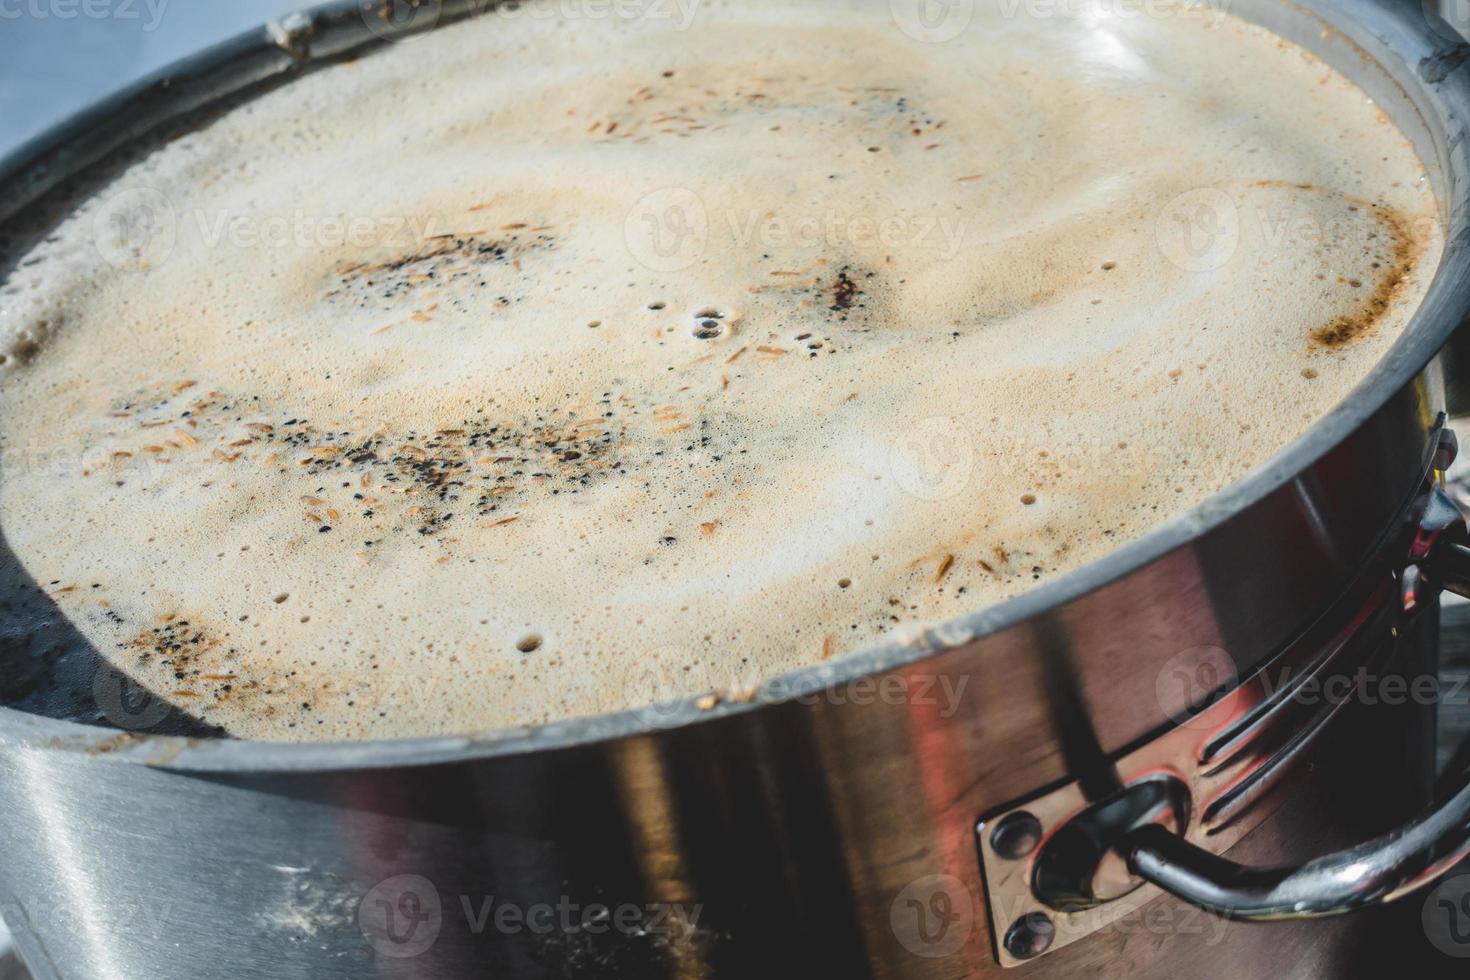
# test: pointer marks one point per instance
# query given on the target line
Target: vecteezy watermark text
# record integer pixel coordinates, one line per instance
(938, 21)
(670, 229)
(139, 228)
(391, 19)
(403, 916)
(149, 12)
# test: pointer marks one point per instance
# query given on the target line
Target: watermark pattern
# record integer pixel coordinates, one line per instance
(662, 694)
(1159, 919)
(943, 692)
(672, 228)
(403, 917)
(392, 19)
(656, 691)
(658, 695)
(933, 21)
(139, 228)
(1195, 679)
(678, 13)
(933, 916)
(941, 21)
(1205, 229)
(153, 920)
(136, 228)
(125, 703)
(1446, 916)
(934, 460)
(1191, 681)
(115, 459)
(941, 237)
(148, 13)
(1199, 231)
(668, 229)
(1209, 11)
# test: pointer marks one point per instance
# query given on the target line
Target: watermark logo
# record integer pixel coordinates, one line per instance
(1446, 916)
(110, 459)
(401, 917)
(392, 19)
(671, 229)
(655, 691)
(1211, 12)
(136, 228)
(125, 703)
(149, 12)
(940, 236)
(944, 693)
(35, 915)
(934, 459)
(302, 230)
(668, 229)
(1199, 230)
(140, 228)
(932, 21)
(405, 915)
(933, 916)
(679, 13)
(1191, 681)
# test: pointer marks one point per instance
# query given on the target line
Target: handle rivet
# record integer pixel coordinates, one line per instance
(1016, 836)
(1030, 935)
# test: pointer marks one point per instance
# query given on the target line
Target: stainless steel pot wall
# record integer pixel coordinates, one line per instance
(823, 829)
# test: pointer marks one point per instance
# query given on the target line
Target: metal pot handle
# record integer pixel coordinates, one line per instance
(1381, 870)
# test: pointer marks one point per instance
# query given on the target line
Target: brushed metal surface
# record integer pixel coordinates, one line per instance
(1267, 723)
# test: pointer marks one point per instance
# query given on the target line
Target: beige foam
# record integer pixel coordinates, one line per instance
(552, 365)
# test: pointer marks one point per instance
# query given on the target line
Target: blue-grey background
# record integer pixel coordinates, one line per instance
(56, 56)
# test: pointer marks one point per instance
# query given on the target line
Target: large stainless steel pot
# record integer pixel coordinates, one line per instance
(853, 820)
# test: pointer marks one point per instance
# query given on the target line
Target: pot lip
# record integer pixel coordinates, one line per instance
(1406, 30)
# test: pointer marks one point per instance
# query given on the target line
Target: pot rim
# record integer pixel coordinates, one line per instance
(1428, 76)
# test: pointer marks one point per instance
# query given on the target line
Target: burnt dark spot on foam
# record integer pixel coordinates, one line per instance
(198, 662)
(25, 348)
(689, 106)
(175, 640)
(52, 670)
(844, 292)
(462, 260)
(486, 467)
(1396, 249)
(1392, 266)
(373, 483)
(198, 670)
